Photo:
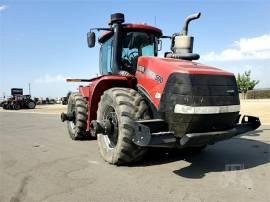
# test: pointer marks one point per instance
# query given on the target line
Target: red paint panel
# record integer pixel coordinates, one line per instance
(145, 27)
(96, 88)
(85, 90)
(130, 27)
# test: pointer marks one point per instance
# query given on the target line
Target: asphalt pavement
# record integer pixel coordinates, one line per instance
(39, 162)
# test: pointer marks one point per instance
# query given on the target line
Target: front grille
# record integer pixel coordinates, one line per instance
(199, 90)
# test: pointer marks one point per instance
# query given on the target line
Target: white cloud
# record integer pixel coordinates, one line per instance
(50, 79)
(257, 48)
(3, 7)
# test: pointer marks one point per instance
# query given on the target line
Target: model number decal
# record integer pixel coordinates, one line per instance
(159, 78)
(150, 73)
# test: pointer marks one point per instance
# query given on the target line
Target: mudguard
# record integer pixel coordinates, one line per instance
(98, 85)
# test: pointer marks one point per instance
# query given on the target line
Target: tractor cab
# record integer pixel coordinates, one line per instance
(123, 44)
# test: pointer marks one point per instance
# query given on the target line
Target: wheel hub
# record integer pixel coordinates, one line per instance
(110, 126)
(67, 117)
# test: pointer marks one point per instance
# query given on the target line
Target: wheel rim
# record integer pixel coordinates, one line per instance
(72, 126)
(111, 138)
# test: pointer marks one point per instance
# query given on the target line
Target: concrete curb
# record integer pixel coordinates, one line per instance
(21, 112)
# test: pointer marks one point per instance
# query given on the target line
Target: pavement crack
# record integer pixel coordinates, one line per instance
(22, 191)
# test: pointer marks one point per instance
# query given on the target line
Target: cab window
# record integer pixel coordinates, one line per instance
(137, 44)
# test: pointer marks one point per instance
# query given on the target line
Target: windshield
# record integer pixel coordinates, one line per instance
(137, 44)
(134, 44)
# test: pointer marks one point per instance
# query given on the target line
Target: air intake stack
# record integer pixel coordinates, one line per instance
(117, 18)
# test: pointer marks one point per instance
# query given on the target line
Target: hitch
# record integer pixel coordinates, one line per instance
(252, 121)
(67, 117)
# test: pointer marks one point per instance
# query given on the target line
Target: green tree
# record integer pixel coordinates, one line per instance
(245, 82)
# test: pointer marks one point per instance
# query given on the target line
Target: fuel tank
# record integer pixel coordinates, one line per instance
(189, 96)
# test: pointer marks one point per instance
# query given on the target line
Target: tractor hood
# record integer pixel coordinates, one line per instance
(166, 66)
(155, 74)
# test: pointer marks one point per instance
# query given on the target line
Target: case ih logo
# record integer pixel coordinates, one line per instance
(141, 68)
(16, 91)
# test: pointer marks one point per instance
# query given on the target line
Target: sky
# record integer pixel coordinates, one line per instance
(43, 42)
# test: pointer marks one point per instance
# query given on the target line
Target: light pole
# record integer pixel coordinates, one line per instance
(29, 88)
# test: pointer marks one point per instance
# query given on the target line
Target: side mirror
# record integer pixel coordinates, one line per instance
(91, 39)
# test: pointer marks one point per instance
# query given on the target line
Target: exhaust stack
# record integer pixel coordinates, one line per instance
(187, 21)
(182, 44)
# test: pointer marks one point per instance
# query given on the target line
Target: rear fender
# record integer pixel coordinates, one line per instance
(96, 88)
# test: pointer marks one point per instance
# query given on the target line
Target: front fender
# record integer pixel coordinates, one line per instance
(96, 88)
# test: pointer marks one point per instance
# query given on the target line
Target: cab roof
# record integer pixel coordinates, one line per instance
(132, 27)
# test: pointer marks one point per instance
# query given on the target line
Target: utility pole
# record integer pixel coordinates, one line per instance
(29, 88)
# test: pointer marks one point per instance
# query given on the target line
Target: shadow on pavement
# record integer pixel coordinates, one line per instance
(234, 154)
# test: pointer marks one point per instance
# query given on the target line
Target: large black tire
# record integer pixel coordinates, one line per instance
(127, 105)
(4, 106)
(16, 106)
(77, 105)
(31, 105)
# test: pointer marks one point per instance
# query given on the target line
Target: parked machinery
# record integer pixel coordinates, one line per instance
(17, 102)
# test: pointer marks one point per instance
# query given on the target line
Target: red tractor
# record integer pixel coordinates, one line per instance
(141, 100)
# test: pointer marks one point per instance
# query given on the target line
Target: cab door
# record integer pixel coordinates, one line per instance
(105, 57)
